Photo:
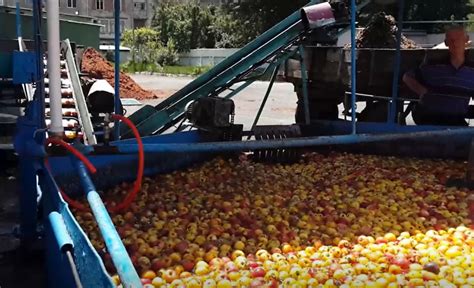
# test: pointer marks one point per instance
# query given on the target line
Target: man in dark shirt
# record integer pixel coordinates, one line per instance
(444, 88)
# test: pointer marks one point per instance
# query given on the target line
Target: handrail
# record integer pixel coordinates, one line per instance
(78, 95)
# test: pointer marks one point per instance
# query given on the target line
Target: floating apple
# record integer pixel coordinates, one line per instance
(327, 220)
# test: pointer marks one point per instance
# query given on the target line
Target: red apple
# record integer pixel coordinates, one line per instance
(258, 272)
(401, 261)
(182, 246)
(187, 265)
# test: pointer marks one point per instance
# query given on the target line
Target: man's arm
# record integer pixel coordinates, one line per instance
(414, 85)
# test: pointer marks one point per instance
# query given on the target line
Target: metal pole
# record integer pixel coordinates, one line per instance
(18, 20)
(75, 273)
(112, 240)
(133, 39)
(117, 105)
(304, 79)
(39, 114)
(54, 68)
(392, 117)
(270, 86)
(213, 147)
(353, 65)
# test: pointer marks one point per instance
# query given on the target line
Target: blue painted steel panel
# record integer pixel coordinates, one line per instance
(58, 269)
(89, 265)
(24, 67)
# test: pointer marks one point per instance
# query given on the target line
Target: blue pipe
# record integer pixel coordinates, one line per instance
(287, 143)
(112, 240)
(117, 109)
(392, 117)
(18, 20)
(353, 65)
(60, 231)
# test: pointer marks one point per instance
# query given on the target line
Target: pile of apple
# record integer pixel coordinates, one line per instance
(336, 220)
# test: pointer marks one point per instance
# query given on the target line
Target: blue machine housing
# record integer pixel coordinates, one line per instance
(112, 170)
(115, 169)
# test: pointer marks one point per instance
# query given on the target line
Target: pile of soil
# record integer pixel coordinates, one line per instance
(97, 67)
(381, 32)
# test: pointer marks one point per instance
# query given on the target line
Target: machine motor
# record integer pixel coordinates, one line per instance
(210, 113)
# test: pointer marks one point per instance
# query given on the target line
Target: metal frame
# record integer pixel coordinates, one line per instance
(353, 65)
(170, 152)
(230, 71)
(304, 77)
(392, 117)
(78, 96)
(117, 104)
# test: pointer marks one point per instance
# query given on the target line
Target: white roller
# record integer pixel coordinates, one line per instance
(54, 67)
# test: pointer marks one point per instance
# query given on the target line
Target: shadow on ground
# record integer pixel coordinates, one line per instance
(19, 267)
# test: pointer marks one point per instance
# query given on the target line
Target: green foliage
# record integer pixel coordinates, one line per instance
(167, 55)
(185, 70)
(424, 10)
(144, 43)
(192, 26)
(132, 67)
(436, 10)
(188, 25)
(147, 48)
(227, 30)
(257, 16)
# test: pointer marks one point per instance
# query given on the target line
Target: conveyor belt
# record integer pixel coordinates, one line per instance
(77, 122)
(71, 124)
(268, 50)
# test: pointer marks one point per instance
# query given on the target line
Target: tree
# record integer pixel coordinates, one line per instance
(257, 16)
(147, 47)
(188, 25)
(225, 30)
(144, 43)
(436, 10)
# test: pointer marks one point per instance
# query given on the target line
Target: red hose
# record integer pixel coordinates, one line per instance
(73, 151)
(79, 156)
(141, 165)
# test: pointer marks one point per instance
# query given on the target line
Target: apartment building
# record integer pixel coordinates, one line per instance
(136, 13)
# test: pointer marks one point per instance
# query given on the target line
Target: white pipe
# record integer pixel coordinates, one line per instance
(54, 67)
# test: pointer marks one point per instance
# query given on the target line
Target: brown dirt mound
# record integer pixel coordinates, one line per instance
(381, 32)
(97, 67)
